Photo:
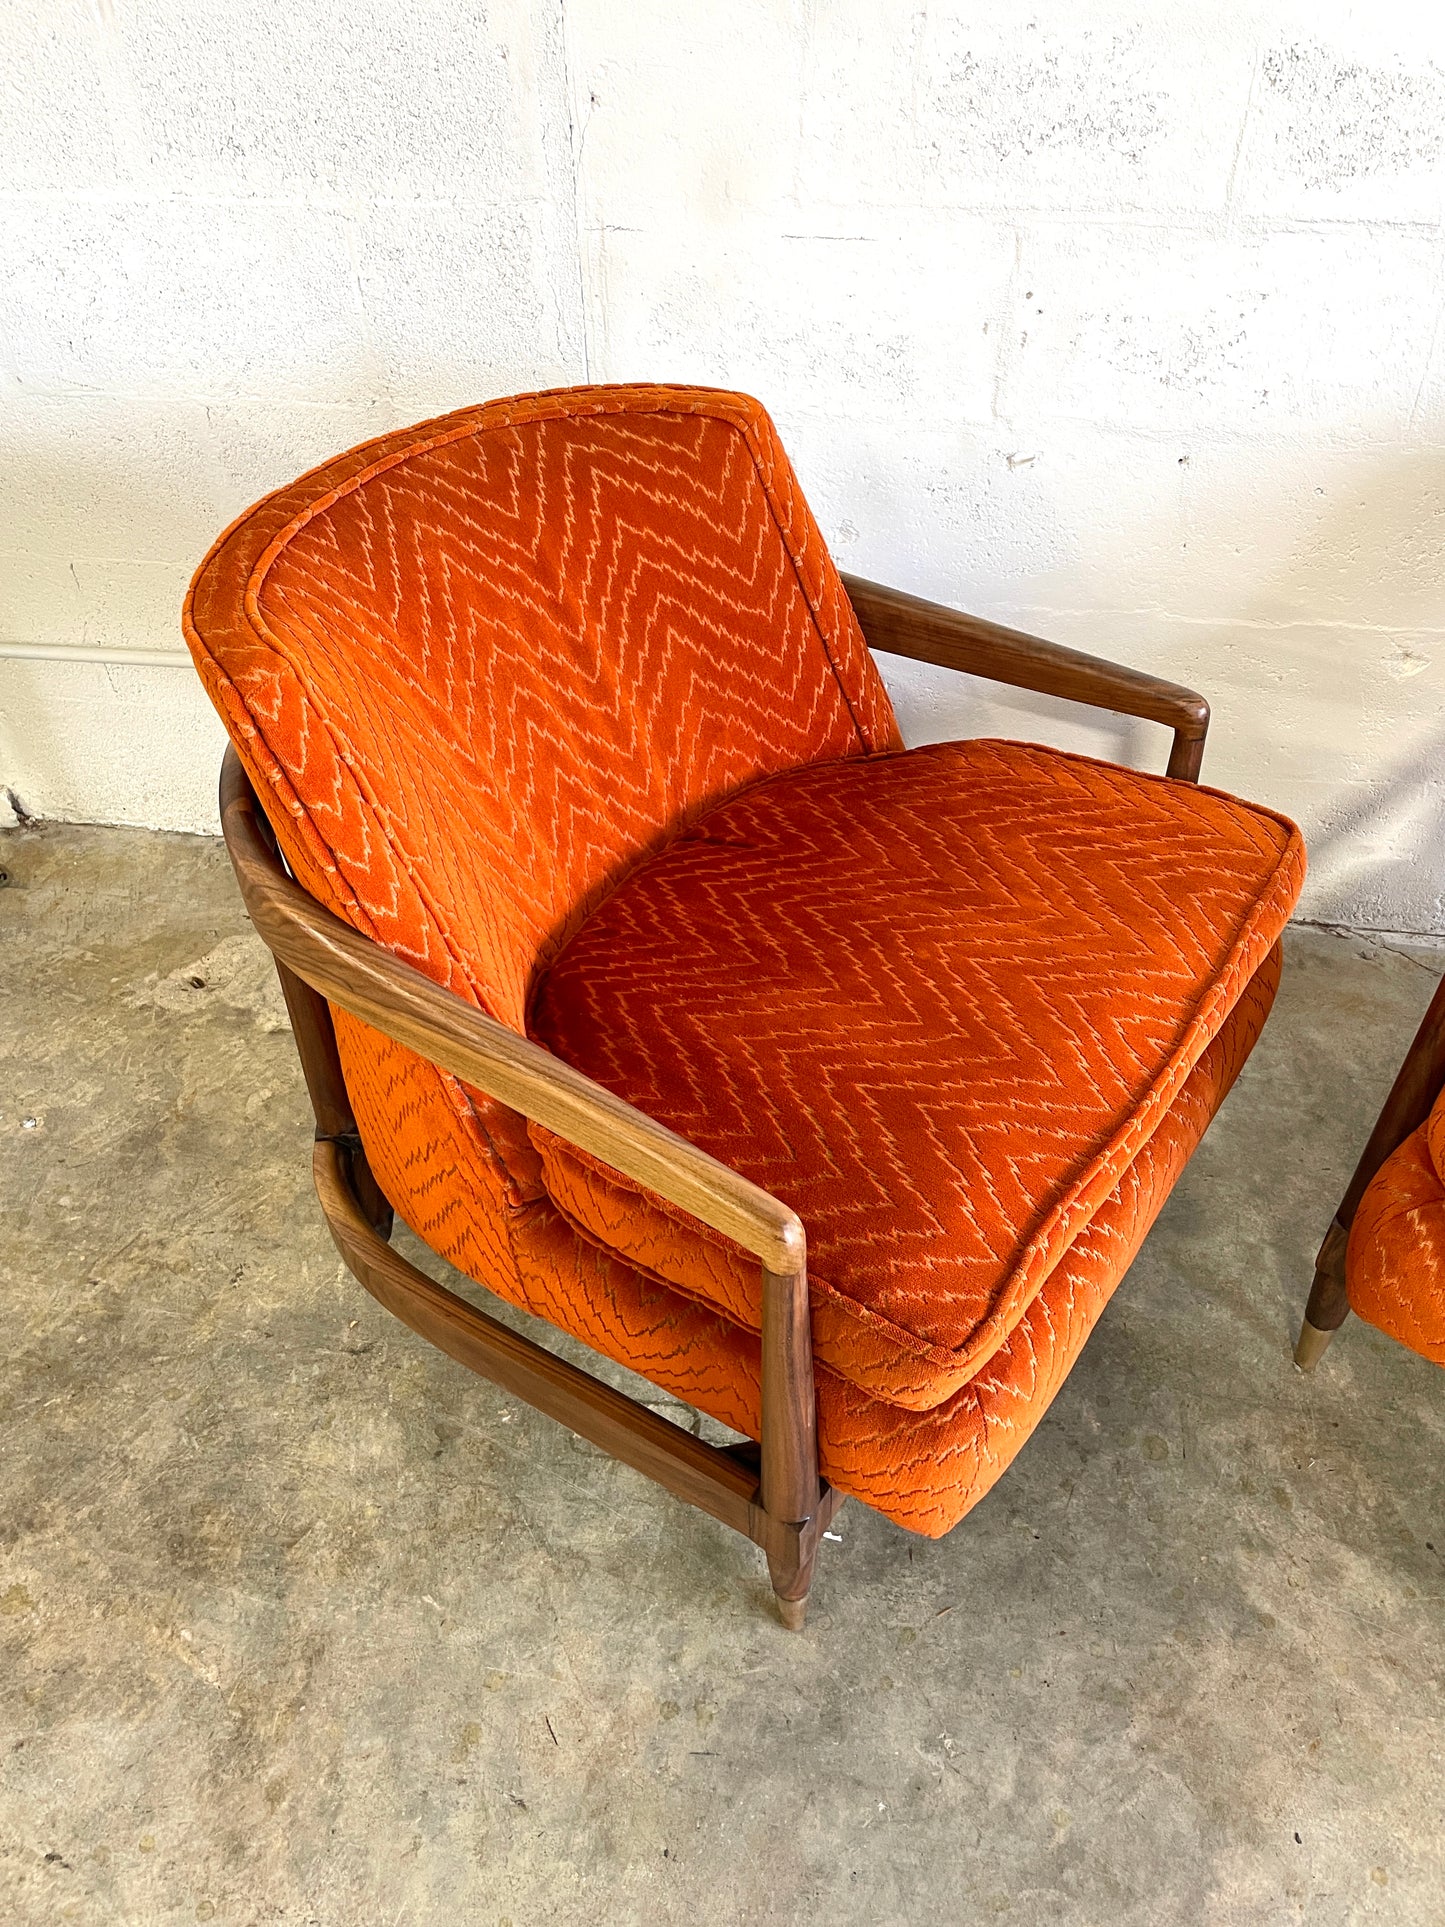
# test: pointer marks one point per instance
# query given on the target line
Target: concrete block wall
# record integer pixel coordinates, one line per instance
(1118, 321)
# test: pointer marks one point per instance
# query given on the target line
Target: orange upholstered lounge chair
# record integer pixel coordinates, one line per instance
(1384, 1254)
(830, 1086)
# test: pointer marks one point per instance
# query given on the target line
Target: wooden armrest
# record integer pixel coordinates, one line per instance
(363, 977)
(906, 625)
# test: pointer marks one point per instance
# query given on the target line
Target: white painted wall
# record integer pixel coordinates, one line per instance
(1116, 321)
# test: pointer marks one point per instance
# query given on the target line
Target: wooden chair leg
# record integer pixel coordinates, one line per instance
(315, 1036)
(792, 1582)
(1328, 1306)
(791, 1491)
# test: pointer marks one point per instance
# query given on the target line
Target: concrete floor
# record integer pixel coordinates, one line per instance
(300, 1623)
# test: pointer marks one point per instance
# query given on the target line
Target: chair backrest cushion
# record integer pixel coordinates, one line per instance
(487, 665)
(480, 668)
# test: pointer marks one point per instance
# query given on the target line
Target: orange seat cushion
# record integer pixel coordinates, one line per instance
(923, 1470)
(937, 1001)
(1395, 1262)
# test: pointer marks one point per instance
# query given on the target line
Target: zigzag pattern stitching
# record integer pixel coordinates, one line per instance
(923, 1469)
(937, 1003)
(275, 717)
(464, 1172)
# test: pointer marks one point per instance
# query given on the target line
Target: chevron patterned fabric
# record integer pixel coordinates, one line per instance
(1395, 1261)
(934, 1001)
(515, 686)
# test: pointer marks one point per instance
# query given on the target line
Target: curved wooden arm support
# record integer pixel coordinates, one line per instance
(363, 977)
(720, 1481)
(907, 625)
(777, 1499)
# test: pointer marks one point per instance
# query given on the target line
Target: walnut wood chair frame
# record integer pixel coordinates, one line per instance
(774, 1493)
(1412, 1098)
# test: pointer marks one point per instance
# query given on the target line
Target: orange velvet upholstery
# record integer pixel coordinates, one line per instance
(922, 1469)
(1395, 1262)
(934, 1001)
(479, 669)
(496, 677)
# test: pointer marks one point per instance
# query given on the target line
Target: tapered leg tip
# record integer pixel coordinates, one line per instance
(792, 1612)
(1311, 1346)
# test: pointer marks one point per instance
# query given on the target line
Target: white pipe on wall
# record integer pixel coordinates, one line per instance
(82, 652)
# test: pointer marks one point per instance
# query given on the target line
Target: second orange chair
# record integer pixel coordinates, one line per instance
(1384, 1255)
